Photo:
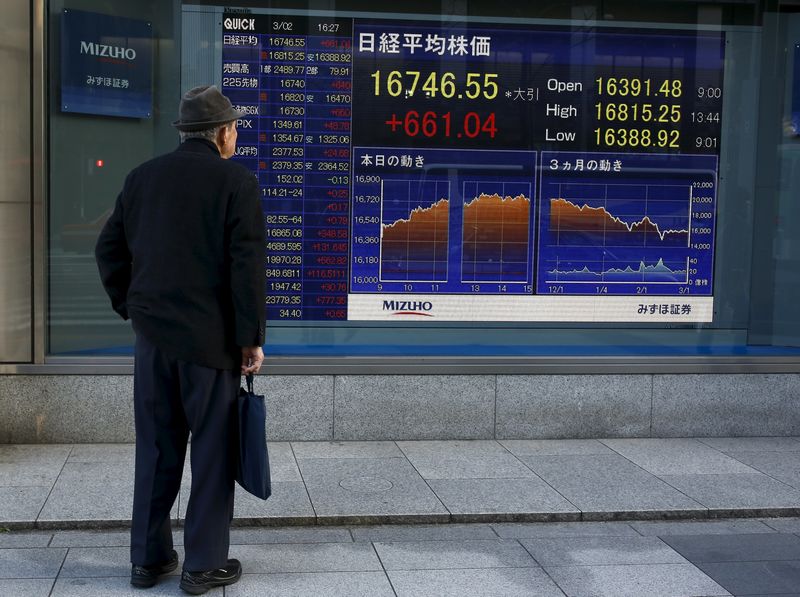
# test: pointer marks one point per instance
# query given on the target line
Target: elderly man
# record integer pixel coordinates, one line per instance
(182, 256)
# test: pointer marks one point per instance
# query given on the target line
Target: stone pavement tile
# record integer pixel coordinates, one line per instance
(317, 584)
(511, 530)
(736, 548)
(29, 474)
(650, 580)
(368, 488)
(98, 562)
(783, 525)
(475, 461)
(31, 562)
(608, 482)
(452, 450)
(35, 453)
(752, 444)
(288, 500)
(103, 453)
(27, 587)
(748, 578)
(735, 492)
(502, 466)
(676, 456)
(282, 464)
(468, 499)
(700, 527)
(91, 491)
(595, 551)
(119, 586)
(783, 466)
(101, 538)
(258, 536)
(239, 536)
(432, 532)
(25, 539)
(306, 557)
(347, 450)
(440, 555)
(773, 595)
(555, 447)
(488, 582)
(21, 504)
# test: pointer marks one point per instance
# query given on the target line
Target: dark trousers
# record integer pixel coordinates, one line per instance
(171, 399)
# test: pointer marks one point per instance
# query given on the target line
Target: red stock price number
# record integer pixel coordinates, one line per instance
(431, 124)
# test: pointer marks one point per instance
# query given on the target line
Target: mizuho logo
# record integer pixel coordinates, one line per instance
(93, 49)
(409, 307)
(240, 24)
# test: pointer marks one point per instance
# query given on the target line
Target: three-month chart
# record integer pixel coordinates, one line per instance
(442, 221)
(626, 224)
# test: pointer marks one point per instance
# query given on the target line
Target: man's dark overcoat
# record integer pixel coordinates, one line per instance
(183, 252)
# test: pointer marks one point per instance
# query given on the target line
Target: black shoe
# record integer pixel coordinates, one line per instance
(145, 577)
(197, 583)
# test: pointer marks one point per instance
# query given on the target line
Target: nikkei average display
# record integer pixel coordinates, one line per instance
(412, 170)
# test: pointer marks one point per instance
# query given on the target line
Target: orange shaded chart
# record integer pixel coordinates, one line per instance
(576, 224)
(415, 248)
(496, 237)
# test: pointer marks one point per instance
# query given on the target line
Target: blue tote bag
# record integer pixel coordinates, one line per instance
(253, 470)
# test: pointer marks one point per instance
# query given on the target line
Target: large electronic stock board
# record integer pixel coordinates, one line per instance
(423, 171)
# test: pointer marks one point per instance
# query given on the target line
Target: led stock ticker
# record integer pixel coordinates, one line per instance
(495, 172)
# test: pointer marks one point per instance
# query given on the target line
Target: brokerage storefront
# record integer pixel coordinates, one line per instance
(550, 219)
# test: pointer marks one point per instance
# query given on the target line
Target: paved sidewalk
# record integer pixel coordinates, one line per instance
(87, 486)
(613, 559)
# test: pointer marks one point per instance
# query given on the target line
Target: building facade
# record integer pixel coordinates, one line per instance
(484, 220)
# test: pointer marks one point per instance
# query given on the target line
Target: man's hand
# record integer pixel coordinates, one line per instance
(252, 357)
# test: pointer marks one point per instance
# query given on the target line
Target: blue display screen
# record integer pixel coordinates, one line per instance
(413, 170)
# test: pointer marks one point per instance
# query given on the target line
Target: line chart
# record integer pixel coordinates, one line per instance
(573, 217)
(414, 240)
(645, 228)
(660, 272)
(445, 222)
(496, 233)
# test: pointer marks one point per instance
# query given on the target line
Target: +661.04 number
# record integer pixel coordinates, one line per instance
(431, 124)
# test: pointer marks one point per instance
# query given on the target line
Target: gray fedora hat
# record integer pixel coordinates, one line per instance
(203, 108)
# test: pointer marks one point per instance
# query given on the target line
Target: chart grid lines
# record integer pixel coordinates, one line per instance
(604, 280)
(509, 194)
(644, 215)
(624, 231)
(415, 208)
